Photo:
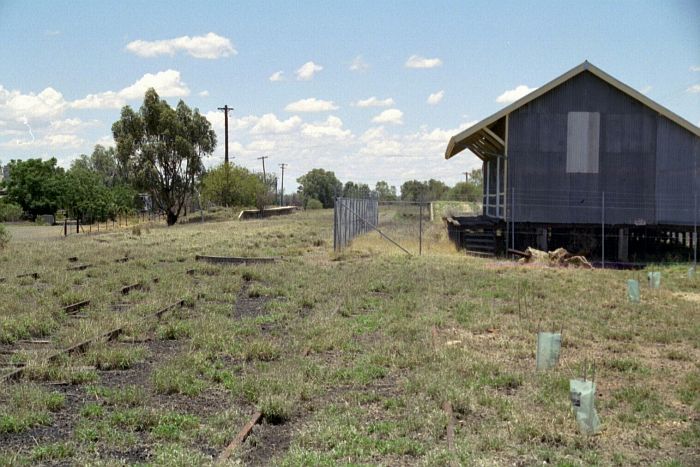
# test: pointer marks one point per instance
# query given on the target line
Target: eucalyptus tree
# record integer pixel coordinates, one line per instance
(164, 148)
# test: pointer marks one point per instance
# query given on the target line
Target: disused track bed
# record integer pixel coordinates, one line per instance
(81, 347)
(72, 310)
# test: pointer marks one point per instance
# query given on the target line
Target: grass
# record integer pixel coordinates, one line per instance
(28, 406)
(350, 355)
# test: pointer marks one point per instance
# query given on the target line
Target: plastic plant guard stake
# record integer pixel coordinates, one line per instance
(548, 348)
(582, 394)
(691, 272)
(654, 279)
(633, 292)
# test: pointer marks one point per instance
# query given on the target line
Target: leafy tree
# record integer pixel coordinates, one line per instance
(102, 161)
(123, 199)
(9, 212)
(436, 190)
(470, 190)
(4, 237)
(321, 185)
(384, 191)
(231, 185)
(356, 190)
(165, 148)
(36, 185)
(85, 196)
(413, 190)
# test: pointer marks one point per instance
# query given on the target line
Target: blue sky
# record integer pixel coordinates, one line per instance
(433, 68)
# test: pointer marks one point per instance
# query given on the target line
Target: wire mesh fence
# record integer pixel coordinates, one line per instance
(353, 217)
(411, 227)
(610, 228)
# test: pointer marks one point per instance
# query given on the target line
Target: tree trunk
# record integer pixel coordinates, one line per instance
(172, 218)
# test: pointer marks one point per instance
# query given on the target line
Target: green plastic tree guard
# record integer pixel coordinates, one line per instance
(654, 279)
(548, 348)
(633, 292)
(582, 394)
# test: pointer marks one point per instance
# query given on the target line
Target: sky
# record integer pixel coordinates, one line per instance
(371, 90)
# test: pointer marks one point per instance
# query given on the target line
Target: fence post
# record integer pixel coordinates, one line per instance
(420, 230)
(602, 229)
(65, 227)
(335, 225)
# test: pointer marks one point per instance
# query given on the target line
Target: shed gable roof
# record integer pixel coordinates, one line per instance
(476, 134)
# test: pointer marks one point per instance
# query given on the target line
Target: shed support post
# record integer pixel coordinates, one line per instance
(498, 187)
(542, 239)
(623, 245)
(488, 188)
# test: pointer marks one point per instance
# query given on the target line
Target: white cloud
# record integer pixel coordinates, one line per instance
(694, 89)
(71, 125)
(210, 46)
(216, 118)
(374, 102)
(646, 89)
(394, 116)
(204, 93)
(435, 97)
(46, 105)
(359, 64)
(311, 105)
(513, 95)
(307, 71)
(261, 145)
(277, 76)
(269, 123)
(106, 141)
(332, 127)
(416, 61)
(167, 83)
(695, 68)
(49, 141)
(426, 144)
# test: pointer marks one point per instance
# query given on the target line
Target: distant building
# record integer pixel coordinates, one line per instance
(4, 173)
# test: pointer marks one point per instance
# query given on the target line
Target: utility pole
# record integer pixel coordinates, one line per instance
(282, 166)
(262, 158)
(466, 176)
(226, 110)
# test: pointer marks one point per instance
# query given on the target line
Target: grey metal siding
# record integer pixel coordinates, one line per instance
(537, 143)
(678, 173)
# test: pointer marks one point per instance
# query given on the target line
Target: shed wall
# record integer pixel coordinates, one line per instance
(677, 174)
(537, 145)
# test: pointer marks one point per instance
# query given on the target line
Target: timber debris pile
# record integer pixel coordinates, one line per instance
(558, 258)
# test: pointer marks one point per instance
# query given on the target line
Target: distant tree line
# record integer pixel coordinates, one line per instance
(89, 190)
(322, 186)
(159, 156)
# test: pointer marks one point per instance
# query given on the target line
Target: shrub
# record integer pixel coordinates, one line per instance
(313, 203)
(10, 212)
(4, 237)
